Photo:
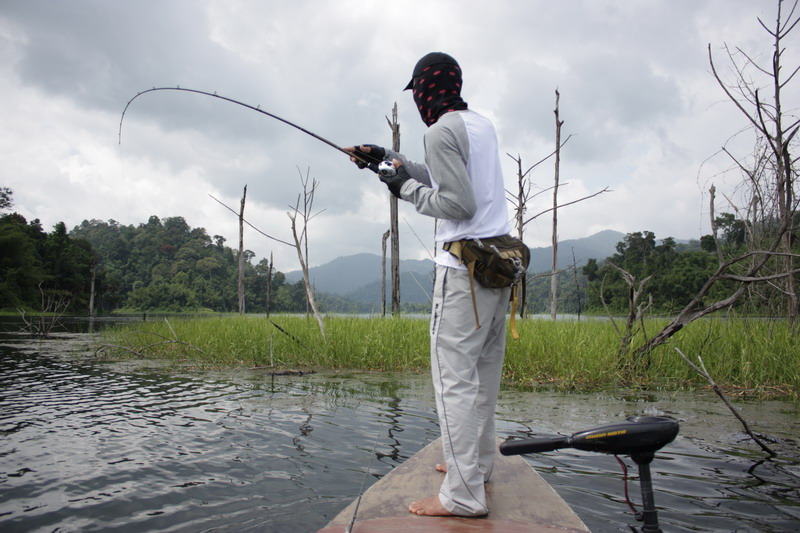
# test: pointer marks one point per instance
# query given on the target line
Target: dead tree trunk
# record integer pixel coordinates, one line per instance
(240, 284)
(301, 241)
(268, 299)
(577, 283)
(636, 311)
(554, 269)
(714, 229)
(519, 201)
(773, 181)
(522, 197)
(383, 271)
(393, 223)
(92, 279)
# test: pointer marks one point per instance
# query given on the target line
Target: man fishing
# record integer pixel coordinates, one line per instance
(461, 185)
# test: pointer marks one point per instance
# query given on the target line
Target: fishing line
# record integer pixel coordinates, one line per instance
(248, 106)
(125, 191)
(349, 528)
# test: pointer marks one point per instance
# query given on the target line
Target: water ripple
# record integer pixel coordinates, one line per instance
(97, 447)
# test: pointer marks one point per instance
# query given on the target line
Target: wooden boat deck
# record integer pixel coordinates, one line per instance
(518, 498)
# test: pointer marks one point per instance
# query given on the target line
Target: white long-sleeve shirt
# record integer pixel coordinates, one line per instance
(461, 182)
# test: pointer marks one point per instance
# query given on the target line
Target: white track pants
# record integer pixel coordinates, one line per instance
(466, 365)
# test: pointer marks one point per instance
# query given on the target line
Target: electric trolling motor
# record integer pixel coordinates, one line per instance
(639, 437)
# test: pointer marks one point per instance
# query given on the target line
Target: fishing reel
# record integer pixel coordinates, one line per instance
(386, 169)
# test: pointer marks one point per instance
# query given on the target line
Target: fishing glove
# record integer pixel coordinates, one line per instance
(396, 182)
(375, 156)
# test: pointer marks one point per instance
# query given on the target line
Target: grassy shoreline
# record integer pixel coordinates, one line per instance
(744, 356)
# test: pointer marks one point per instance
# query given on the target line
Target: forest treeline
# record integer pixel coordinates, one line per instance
(162, 265)
(676, 272)
(165, 265)
(38, 268)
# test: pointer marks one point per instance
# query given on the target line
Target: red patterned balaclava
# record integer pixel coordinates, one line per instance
(436, 85)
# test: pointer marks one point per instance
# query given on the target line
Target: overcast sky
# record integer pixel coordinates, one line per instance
(647, 118)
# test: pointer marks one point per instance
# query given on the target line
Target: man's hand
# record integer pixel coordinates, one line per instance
(367, 155)
(396, 182)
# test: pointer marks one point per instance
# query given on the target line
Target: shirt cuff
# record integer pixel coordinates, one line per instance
(408, 188)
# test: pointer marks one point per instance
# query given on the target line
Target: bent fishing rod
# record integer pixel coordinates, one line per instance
(384, 168)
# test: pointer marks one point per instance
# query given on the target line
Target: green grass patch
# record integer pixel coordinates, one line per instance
(747, 356)
(289, 341)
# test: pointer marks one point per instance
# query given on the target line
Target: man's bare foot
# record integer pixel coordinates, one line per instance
(429, 507)
(441, 468)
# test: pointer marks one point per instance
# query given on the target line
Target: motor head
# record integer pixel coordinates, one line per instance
(638, 434)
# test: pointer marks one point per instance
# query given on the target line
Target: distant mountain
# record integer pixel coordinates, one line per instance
(358, 277)
(598, 246)
(415, 288)
(352, 274)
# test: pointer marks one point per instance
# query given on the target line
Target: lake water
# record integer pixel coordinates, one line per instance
(94, 446)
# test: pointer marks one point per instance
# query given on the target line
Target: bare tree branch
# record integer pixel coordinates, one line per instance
(301, 240)
(252, 226)
(703, 372)
(569, 203)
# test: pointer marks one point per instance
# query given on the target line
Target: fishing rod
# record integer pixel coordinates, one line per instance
(384, 168)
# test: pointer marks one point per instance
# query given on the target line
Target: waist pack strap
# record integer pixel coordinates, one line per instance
(514, 332)
(455, 248)
(471, 270)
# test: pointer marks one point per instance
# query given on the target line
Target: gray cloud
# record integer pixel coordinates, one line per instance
(632, 74)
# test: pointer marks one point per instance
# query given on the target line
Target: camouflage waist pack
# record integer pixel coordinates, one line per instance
(496, 262)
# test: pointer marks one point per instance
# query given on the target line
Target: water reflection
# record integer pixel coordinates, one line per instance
(91, 446)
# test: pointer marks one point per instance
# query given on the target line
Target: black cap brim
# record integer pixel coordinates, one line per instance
(427, 60)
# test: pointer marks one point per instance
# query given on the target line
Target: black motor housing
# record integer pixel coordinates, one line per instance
(638, 434)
